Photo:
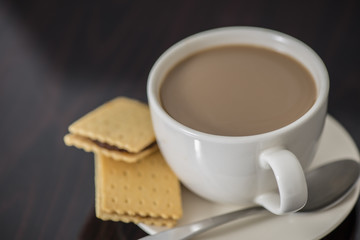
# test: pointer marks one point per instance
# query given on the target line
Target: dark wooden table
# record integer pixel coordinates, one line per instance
(60, 59)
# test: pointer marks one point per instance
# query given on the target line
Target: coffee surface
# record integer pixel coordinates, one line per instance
(237, 90)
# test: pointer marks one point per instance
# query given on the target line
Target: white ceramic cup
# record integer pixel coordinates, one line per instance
(265, 169)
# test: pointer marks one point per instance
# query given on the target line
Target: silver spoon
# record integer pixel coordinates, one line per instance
(327, 185)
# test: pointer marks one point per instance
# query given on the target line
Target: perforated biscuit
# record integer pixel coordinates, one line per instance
(146, 191)
(121, 124)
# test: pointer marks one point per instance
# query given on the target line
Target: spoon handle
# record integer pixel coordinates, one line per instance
(192, 229)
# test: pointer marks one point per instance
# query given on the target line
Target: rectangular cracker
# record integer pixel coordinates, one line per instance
(121, 129)
(143, 192)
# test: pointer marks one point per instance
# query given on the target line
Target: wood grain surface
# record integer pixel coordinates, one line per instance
(60, 59)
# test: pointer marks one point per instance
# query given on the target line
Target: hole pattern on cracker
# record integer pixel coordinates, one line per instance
(142, 188)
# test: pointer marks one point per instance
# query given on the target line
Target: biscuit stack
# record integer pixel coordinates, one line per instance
(133, 183)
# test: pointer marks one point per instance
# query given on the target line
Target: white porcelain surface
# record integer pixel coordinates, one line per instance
(335, 144)
(237, 169)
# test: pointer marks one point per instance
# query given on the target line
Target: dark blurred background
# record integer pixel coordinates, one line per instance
(60, 59)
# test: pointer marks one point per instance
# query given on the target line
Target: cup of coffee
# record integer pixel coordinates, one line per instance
(238, 113)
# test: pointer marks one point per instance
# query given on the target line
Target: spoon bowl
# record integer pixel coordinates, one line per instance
(330, 183)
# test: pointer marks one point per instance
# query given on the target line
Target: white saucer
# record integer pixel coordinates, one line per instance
(335, 144)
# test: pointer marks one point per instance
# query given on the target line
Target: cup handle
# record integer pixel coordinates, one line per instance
(290, 180)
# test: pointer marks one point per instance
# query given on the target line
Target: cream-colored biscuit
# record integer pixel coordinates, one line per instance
(146, 191)
(121, 129)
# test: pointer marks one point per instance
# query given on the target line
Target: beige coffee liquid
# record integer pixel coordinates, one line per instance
(237, 91)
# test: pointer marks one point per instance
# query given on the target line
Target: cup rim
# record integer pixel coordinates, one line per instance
(155, 104)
